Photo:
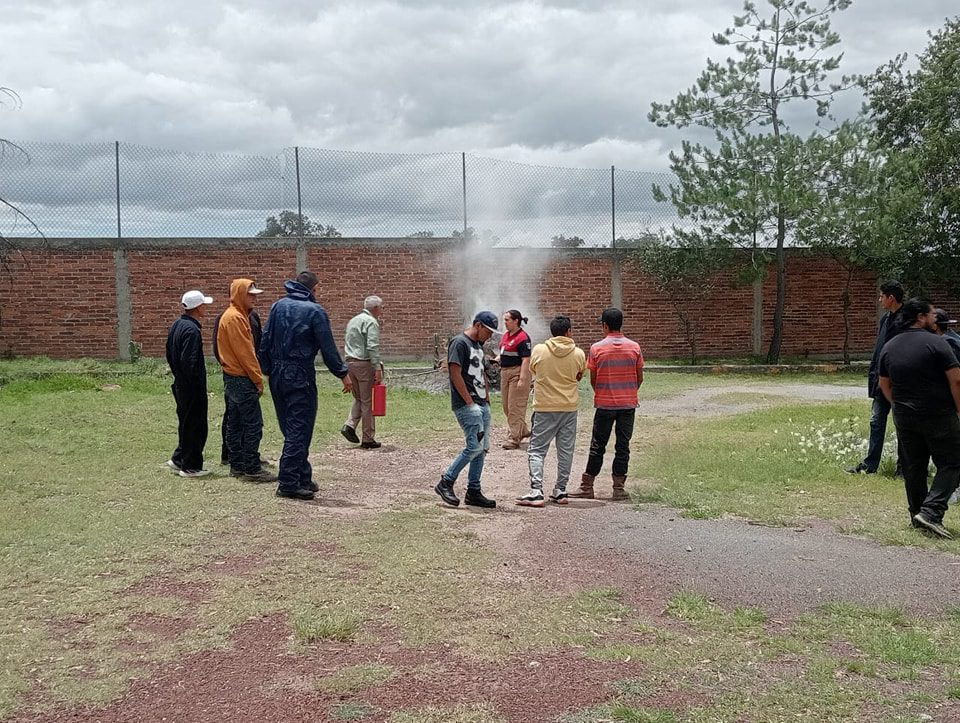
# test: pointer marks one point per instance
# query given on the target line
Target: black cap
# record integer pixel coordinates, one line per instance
(943, 318)
(488, 319)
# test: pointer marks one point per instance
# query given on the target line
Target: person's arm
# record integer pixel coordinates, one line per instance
(191, 358)
(525, 375)
(373, 349)
(456, 379)
(887, 388)
(237, 337)
(953, 377)
(328, 350)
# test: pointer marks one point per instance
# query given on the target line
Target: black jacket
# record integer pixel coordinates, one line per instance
(185, 353)
(886, 330)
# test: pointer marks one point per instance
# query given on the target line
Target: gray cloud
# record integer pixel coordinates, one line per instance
(567, 82)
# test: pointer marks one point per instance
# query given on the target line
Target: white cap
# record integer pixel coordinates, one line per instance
(193, 299)
(252, 289)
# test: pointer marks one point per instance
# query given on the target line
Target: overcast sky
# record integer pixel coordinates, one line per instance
(566, 83)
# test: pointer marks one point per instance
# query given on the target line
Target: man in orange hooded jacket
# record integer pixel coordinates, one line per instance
(242, 383)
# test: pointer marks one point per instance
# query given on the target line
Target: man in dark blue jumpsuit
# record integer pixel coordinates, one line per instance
(296, 330)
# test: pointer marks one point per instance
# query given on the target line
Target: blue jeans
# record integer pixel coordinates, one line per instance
(878, 431)
(244, 423)
(475, 422)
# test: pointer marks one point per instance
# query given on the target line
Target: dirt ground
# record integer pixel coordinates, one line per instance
(649, 554)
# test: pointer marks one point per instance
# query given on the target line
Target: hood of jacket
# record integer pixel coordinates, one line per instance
(560, 346)
(296, 290)
(238, 293)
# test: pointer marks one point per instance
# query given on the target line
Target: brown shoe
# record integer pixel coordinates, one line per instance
(619, 493)
(585, 490)
(509, 445)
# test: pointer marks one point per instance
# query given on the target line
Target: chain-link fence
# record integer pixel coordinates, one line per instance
(123, 190)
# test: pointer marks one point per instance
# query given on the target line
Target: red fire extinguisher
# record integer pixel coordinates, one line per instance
(379, 400)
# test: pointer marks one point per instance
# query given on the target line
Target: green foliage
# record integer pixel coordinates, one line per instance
(287, 225)
(751, 186)
(686, 272)
(914, 115)
(565, 242)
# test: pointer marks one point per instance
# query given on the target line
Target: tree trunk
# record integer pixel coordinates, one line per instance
(773, 356)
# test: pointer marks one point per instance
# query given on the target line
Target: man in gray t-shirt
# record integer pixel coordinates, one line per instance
(470, 399)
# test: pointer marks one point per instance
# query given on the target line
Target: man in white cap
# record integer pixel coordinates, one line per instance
(185, 357)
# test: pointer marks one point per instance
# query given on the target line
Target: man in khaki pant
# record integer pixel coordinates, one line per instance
(362, 351)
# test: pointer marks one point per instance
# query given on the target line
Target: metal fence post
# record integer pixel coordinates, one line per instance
(463, 165)
(613, 210)
(296, 160)
(116, 158)
(121, 278)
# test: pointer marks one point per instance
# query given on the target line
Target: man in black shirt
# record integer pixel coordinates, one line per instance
(920, 377)
(470, 399)
(891, 299)
(185, 357)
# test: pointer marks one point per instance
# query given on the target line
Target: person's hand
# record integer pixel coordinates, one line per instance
(378, 377)
(260, 391)
(347, 384)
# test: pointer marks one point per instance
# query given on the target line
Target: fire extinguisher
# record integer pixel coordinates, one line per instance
(379, 400)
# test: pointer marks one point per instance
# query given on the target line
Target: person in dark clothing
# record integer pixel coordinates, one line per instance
(296, 330)
(920, 377)
(185, 357)
(941, 329)
(891, 299)
(256, 330)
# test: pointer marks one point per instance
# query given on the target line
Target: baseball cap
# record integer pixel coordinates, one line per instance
(943, 318)
(193, 299)
(488, 319)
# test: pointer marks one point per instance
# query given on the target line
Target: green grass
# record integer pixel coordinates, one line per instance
(355, 678)
(765, 466)
(312, 627)
(109, 564)
(477, 713)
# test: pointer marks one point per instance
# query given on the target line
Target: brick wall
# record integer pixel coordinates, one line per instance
(62, 301)
(59, 303)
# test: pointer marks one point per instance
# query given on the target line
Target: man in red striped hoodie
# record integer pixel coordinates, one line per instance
(616, 373)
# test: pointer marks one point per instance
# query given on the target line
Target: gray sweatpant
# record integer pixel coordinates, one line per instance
(548, 426)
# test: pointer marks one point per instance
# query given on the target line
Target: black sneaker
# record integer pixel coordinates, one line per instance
(350, 434)
(476, 498)
(236, 472)
(861, 469)
(935, 527)
(300, 493)
(312, 486)
(444, 488)
(259, 477)
(371, 445)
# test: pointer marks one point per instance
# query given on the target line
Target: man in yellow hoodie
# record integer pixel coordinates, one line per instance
(557, 365)
(242, 384)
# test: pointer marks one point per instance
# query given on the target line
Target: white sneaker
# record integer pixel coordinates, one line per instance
(533, 498)
(559, 497)
(194, 472)
(172, 465)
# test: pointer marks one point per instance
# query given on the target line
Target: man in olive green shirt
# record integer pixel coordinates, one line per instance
(362, 353)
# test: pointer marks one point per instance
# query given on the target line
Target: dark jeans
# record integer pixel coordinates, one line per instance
(922, 437)
(224, 450)
(878, 432)
(294, 391)
(191, 425)
(244, 423)
(603, 422)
